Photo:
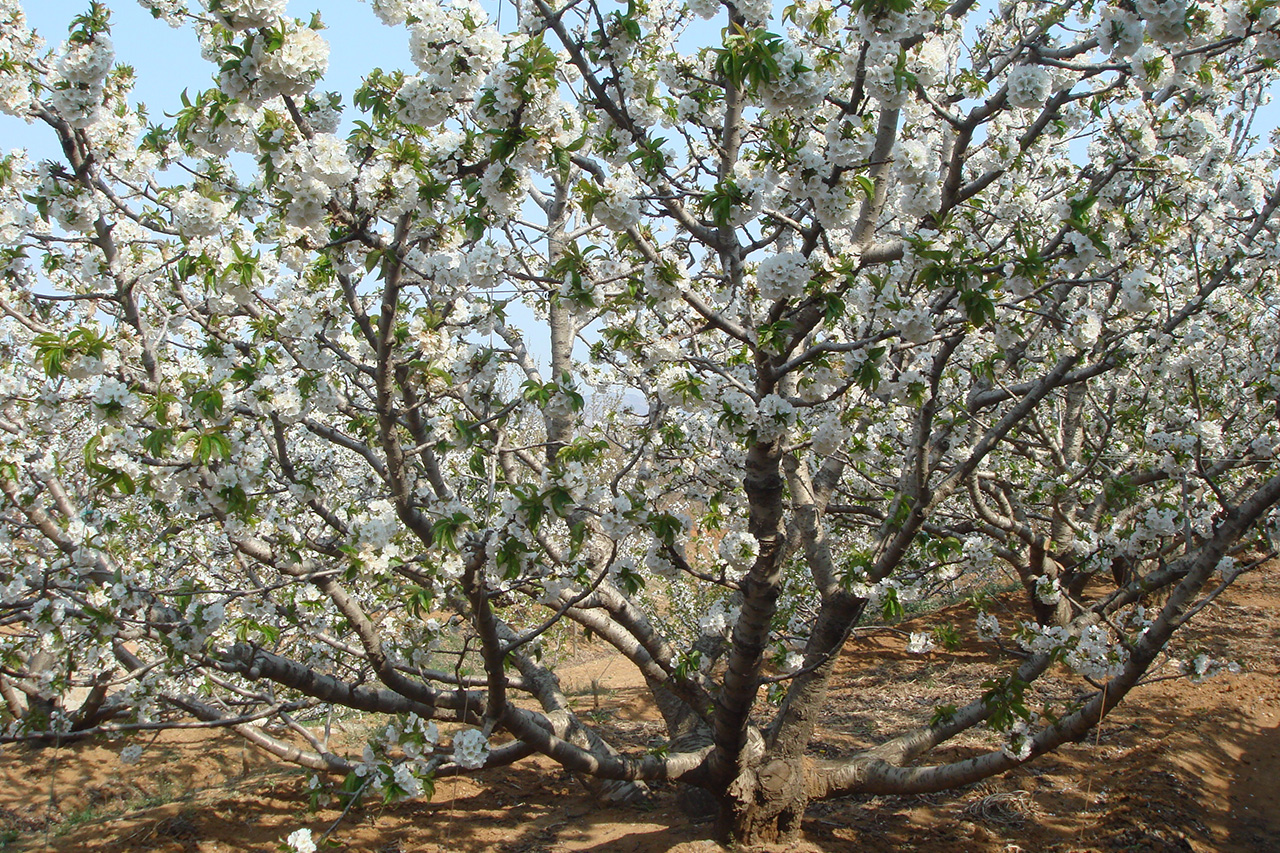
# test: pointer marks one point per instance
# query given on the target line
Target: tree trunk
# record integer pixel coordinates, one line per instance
(766, 803)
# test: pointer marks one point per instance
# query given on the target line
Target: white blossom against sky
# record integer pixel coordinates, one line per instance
(168, 60)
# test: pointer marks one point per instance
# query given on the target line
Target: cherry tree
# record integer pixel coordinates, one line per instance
(712, 328)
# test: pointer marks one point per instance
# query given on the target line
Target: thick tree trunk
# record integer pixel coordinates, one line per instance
(766, 803)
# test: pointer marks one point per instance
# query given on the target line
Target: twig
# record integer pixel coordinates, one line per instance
(351, 803)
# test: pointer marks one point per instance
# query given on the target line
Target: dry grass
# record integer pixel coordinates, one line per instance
(1005, 808)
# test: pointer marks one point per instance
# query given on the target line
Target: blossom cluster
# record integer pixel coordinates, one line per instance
(288, 61)
(78, 78)
(782, 275)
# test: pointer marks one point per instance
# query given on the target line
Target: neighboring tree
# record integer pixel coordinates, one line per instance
(896, 301)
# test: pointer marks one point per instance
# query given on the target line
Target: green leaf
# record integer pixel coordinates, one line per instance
(560, 499)
(978, 307)
(419, 601)
(630, 580)
(208, 401)
(211, 446)
(867, 374)
(444, 533)
(51, 352)
(582, 449)
(157, 442)
(773, 336)
(890, 606)
(833, 307)
(104, 476)
(942, 715)
(749, 58)
(536, 392)
(720, 203)
(666, 527)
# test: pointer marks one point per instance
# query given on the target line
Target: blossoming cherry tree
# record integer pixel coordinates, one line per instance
(714, 329)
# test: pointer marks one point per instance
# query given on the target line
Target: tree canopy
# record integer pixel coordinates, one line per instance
(714, 329)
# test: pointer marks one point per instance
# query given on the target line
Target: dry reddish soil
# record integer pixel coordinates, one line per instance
(1179, 767)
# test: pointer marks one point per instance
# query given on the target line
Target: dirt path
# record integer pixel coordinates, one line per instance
(1180, 767)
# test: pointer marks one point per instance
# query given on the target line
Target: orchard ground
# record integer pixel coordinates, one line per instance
(1179, 767)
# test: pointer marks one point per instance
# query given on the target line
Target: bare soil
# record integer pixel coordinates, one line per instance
(1179, 767)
